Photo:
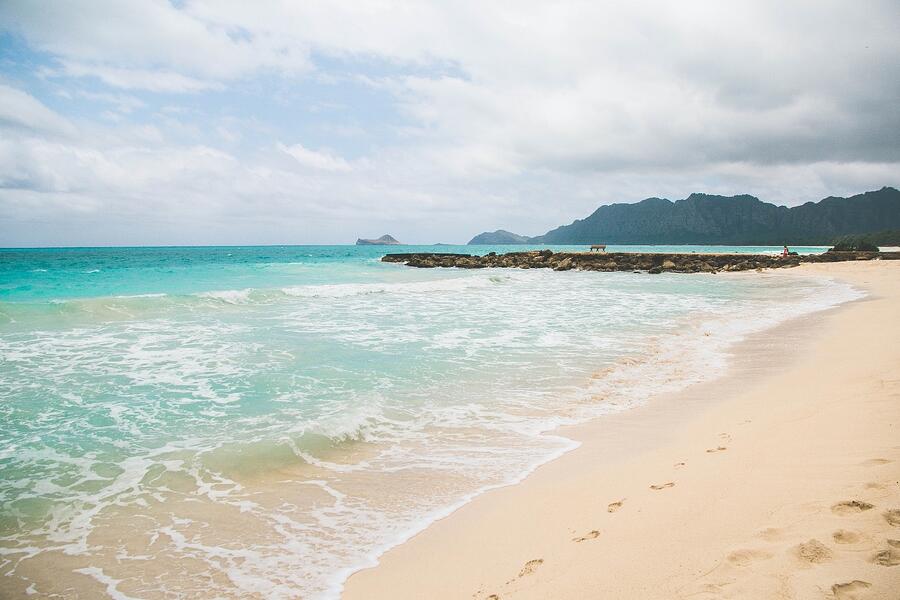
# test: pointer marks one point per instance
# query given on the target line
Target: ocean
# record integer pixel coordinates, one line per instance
(240, 422)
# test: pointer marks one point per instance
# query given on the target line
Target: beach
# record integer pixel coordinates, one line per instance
(265, 422)
(440, 300)
(777, 480)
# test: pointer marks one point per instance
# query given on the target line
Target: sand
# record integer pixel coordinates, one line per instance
(779, 480)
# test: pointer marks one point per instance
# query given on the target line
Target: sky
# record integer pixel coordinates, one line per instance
(158, 122)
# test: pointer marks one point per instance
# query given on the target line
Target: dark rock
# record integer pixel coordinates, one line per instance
(564, 265)
(621, 261)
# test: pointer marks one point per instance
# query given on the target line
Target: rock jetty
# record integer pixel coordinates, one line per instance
(652, 263)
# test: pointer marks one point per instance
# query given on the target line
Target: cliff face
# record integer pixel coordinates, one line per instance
(709, 219)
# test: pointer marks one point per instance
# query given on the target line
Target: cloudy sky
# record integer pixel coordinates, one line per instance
(233, 122)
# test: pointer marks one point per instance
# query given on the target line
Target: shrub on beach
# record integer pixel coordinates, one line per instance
(853, 243)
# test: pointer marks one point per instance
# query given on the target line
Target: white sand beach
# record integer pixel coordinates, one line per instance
(779, 480)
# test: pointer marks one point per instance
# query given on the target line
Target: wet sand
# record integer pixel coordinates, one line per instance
(779, 480)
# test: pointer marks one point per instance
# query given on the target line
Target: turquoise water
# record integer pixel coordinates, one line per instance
(262, 421)
(62, 273)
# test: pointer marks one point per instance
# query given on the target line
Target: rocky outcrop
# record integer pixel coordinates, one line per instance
(499, 237)
(626, 261)
(384, 240)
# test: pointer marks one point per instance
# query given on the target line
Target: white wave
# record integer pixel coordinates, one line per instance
(538, 334)
(111, 584)
(128, 296)
(229, 296)
(344, 290)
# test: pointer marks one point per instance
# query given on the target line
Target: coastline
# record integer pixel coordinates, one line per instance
(742, 474)
(583, 359)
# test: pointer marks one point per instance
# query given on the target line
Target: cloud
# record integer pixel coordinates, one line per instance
(123, 103)
(151, 45)
(19, 110)
(465, 116)
(137, 79)
(315, 160)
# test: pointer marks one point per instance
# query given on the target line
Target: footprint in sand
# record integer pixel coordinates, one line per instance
(678, 465)
(531, 566)
(850, 507)
(813, 551)
(890, 557)
(663, 486)
(892, 516)
(894, 543)
(593, 535)
(842, 536)
(614, 506)
(771, 534)
(742, 558)
(714, 589)
(874, 462)
(719, 449)
(852, 590)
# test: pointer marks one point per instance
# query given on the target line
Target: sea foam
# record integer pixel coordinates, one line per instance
(272, 440)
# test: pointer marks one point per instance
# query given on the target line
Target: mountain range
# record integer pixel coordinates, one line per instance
(711, 219)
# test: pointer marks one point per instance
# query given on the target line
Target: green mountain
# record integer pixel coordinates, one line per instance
(742, 220)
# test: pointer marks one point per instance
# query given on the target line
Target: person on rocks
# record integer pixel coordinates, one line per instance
(785, 252)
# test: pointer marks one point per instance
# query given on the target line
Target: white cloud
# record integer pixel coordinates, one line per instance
(324, 161)
(522, 115)
(22, 111)
(109, 38)
(123, 103)
(138, 79)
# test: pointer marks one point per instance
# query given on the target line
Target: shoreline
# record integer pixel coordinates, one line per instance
(562, 432)
(467, 553)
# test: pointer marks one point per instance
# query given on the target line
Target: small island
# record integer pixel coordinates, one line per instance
(385, 240)
(501, 236)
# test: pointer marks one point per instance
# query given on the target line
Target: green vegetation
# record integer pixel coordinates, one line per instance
(854, 243)
(889, 237)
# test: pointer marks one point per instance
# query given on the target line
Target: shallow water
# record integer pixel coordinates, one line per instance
(240, 422)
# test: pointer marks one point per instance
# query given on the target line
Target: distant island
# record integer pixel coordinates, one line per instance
(385, 240)
(501, 236)
(711, 219)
